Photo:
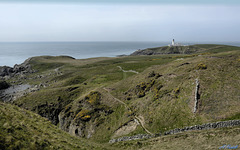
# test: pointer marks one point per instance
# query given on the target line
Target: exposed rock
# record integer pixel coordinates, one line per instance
(5, 71)
(52, 111)
(197, 96)
(18, 90)
(13, 92)
(143, 52)
(83, 118)
(126, 128)
(3, 85)
(23, 68)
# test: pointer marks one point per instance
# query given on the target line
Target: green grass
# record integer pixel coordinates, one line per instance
(191, 49)
(169, 107)
(22, 129)
(75, 80)
(233, 117)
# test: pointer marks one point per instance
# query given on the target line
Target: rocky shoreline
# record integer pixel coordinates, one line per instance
(6, 72)
(12, 90)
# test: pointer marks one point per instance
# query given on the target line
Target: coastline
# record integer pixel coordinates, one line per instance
(17, 52)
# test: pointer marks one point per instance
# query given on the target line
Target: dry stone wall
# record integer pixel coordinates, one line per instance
(221, 124)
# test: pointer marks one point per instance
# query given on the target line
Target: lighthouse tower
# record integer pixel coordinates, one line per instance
(173, 42)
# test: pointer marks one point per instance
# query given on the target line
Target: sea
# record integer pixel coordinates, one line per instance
(12, 53)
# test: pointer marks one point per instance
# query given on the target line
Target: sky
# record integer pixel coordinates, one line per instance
(114, 20)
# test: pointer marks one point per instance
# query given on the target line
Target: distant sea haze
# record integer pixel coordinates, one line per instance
(12, 53)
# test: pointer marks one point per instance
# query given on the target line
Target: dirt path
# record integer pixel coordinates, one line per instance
(137, 118)
(127, 70)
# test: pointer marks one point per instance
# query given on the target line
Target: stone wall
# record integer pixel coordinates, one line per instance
(135, 137)
(221, 124)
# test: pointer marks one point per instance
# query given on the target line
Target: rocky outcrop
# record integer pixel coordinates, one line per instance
(143, 52)
(52, 110)
(23, 68)
(126, 128)
(83, 118)
(4, 85)
(5, 71)
(221, 124)
(13, 92)
(197, 96)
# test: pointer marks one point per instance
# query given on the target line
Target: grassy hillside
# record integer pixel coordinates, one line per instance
(22, 129)
(95, 99)
(190, 49)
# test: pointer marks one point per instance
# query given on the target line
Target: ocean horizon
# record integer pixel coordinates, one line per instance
(17, 52)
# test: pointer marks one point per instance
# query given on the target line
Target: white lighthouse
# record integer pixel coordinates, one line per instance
(173, 42)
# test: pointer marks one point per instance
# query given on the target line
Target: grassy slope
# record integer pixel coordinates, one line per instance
(219, 91)
(22, 129)
(191, 49)
(173, 109)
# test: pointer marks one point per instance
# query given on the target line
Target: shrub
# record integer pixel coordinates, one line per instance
(129, 113)
(142, 85)
(151, 74)
(161, 93)
(93, 98)
(201, 66)
(129, 98)
(68, 107)
(141, 94)
(83, 115)
(177, 90)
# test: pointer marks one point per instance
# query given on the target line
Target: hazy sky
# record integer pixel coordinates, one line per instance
(132, 20)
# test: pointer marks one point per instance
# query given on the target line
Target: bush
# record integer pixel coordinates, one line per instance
(83, 115)
(201, 66)
(129, 98)
(141, 94)
(93, 98)
(177, 90)
(161, 93)
(151, 74)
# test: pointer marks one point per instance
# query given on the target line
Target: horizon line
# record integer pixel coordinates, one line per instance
(113, 41)
(218, 2)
